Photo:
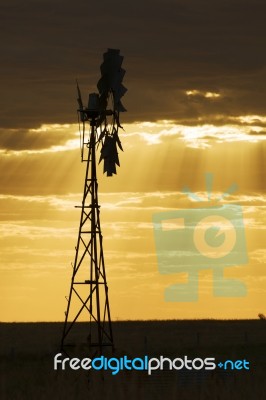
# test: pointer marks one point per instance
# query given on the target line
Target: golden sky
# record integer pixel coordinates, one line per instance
(40, 224)
(196, 105)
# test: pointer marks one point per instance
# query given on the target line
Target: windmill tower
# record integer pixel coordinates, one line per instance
(88, 297)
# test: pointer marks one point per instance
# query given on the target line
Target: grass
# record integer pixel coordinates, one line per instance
(27, 351)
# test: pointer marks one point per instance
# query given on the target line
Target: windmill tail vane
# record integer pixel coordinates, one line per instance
(103, 110)
(79, 99)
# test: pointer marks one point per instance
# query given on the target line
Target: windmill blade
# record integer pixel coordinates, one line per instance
(109, 155)
(115, 134)
(121, 90)
(112, 62)
(109, 167)
(111, 79)
(102, 134)
(111, 90)
(120, 107)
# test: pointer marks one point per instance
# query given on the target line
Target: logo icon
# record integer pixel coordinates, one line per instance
(201, 238)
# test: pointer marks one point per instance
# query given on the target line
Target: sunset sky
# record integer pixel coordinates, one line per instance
(196, 104)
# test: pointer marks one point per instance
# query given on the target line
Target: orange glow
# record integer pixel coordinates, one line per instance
(39, 222)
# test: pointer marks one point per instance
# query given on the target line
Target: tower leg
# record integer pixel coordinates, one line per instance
(88, 297)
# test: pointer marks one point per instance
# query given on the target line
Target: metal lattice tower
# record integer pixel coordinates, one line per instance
(88, 298)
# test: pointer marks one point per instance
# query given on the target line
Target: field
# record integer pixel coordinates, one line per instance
(27, 353)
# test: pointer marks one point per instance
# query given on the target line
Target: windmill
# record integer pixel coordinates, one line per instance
(88, 297)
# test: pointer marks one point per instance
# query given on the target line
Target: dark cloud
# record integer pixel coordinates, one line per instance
(256, 133)
(23, 139)
(169, 47)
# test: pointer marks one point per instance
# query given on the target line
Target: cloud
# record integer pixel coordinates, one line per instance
(259, 256)
(164, 155)
(53, 137)
(182, 46)
(198, 94)
(201, 134)
(258, 133)
(34, 232)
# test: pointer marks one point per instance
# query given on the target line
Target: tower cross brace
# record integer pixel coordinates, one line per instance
(88, 294)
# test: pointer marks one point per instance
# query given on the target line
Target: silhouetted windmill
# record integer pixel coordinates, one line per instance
(88, 295)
